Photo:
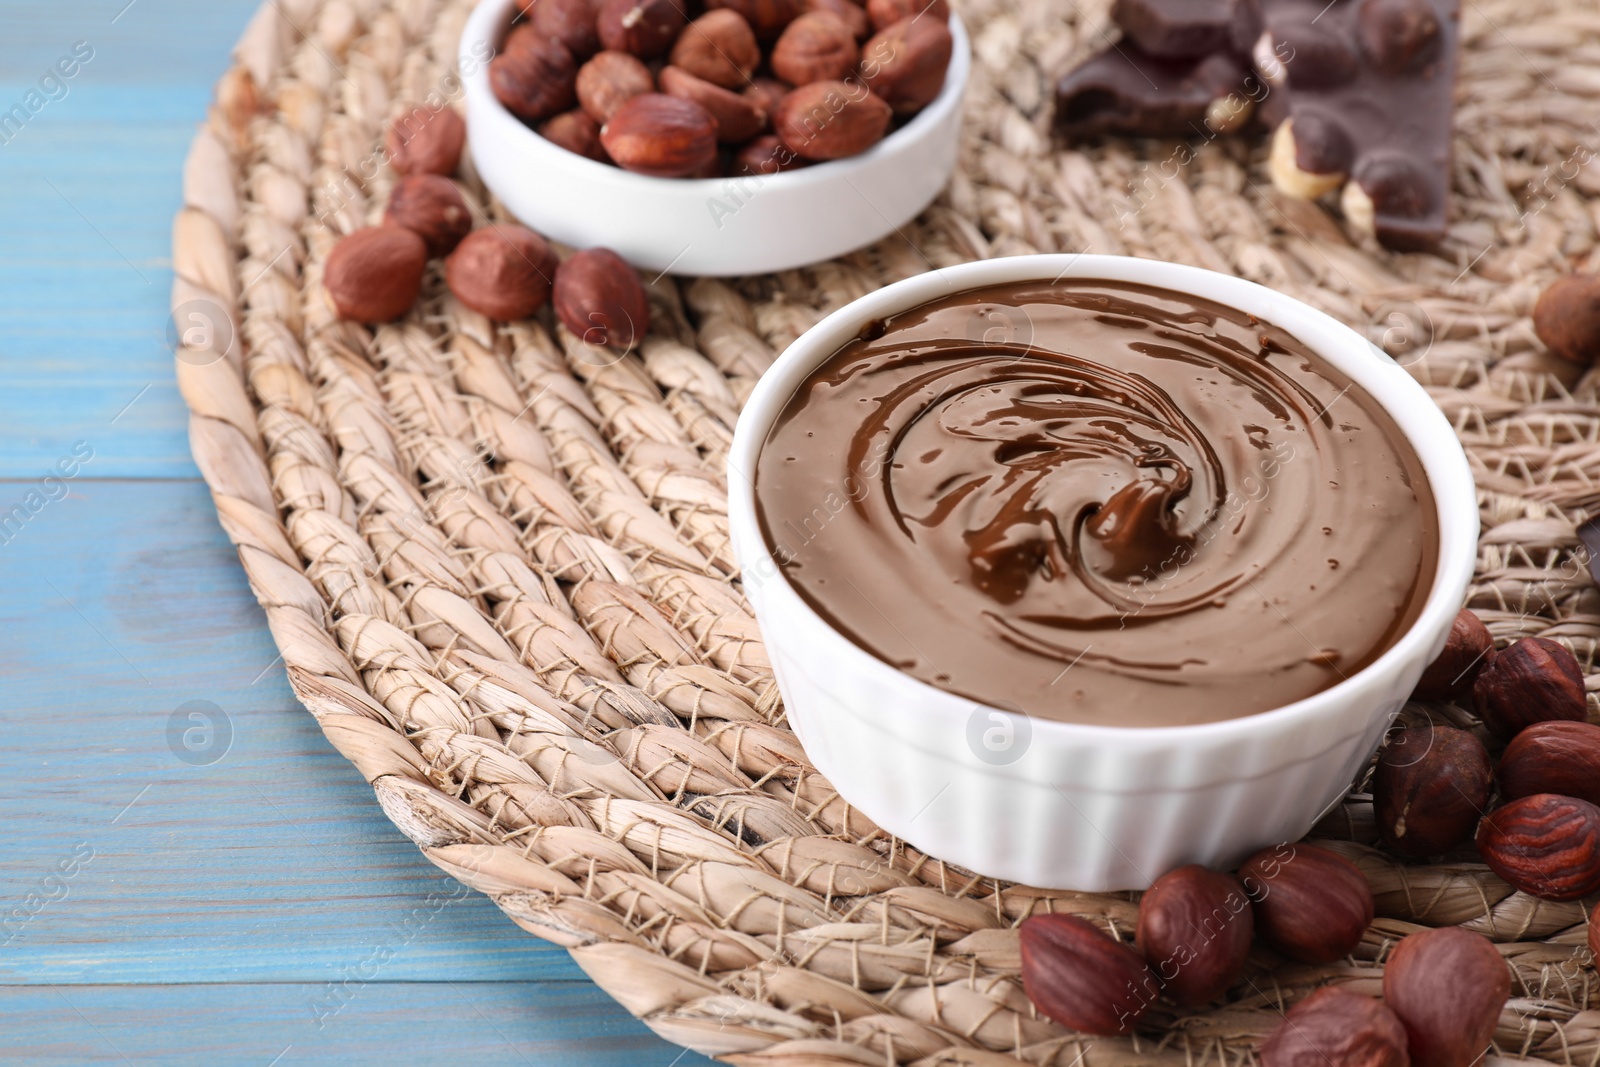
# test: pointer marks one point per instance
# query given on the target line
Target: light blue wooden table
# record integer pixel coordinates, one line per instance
(189, 874)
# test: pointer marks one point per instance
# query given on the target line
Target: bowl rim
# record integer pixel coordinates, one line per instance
(1418, 418)
(490, 18)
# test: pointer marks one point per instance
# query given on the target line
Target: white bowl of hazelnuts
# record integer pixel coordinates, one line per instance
(715, 137)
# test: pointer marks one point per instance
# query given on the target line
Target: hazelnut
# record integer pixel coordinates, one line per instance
(431, 207)
(1466, 650)
(1431, 785)
(577, 132)
(765, 155)
(1195, 929)
(1361, 213)
(424, 141)
(718, 47)
(375, 274)
(766, 17)
(502, 271)
(1567, 318)
(1336, 1026)
(1545, 845)
(1392, 198)
(815, 47)
(533, 75)
(906, 63)
(766, 92)
(739, 118)
(645, 28)
(1447, 987)
(831, 120)
(1264, 57)
(1081, 978)
(885, 13)
(1398, 35)
(851, 14)
(1535, 680)
(1228, 114)
(1310, 904)
(610, 80)
(1553, 757)
(660, 135)
(572, 22)
(601, 300)
(1309, 167)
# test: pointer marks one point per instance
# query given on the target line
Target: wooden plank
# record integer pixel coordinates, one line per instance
(274, 864)
(83, 325)
(139, 42)
(92, 181)
(130, 592)
(484, 1024)
(269, 862)
(270, 866)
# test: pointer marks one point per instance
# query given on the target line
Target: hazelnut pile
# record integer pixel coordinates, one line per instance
(681, 89)
(1443, 990)
(1433, 784)
(502, 270)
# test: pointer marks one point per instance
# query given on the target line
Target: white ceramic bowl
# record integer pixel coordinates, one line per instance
(1072, 806)
(714, 226)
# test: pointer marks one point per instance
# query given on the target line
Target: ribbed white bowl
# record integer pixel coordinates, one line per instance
(1069, 806)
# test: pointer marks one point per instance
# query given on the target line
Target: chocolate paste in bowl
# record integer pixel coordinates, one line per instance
(1099, 503)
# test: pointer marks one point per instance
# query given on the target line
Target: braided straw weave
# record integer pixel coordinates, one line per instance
(496, 561)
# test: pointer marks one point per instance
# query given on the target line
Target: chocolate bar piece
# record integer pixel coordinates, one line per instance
(1589, 535)
(1124, 90)
(1359, 94)
(1189, 29)
(1362, 98)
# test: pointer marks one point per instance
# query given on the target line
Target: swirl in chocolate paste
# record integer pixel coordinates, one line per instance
(1150, 510)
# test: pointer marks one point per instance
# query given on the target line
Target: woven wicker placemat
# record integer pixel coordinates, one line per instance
(496, 561)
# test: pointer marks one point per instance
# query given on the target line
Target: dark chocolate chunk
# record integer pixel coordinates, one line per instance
(1322, 145)
(1405, 200)
(1367, 87)
(1123, 90)
(1359, 92)
(1322, 59)
(1189, 29)
(1589, 534)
